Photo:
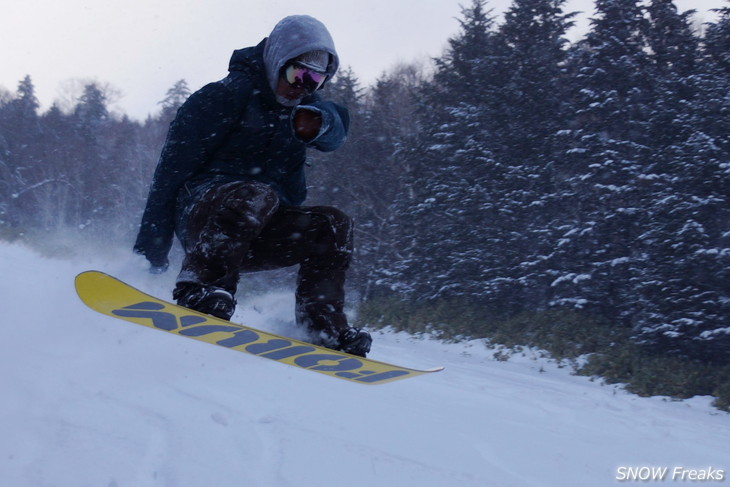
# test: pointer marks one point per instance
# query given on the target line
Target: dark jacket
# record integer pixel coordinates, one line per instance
(232, 130)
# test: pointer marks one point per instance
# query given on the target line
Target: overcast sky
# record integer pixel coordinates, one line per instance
(142, 47)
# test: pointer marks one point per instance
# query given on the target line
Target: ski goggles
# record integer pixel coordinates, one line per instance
(300, 76)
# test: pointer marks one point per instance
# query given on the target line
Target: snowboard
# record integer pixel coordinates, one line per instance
(112, 297)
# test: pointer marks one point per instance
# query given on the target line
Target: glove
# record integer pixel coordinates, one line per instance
(307, 123)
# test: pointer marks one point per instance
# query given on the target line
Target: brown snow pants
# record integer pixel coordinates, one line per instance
(240, 227)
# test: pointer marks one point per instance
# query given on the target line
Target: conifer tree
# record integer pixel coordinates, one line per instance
(527, 114)
(386, 129)
(93, 174)
(684, 288)
(717, 40)
(715, 80)
(442, 216)
(606, 151)
(174, 98)
(20, 128)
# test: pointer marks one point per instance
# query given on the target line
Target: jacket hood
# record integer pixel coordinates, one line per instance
(293, 36)
(247, 59)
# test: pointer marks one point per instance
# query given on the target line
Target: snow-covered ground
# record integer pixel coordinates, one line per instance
(92, 401)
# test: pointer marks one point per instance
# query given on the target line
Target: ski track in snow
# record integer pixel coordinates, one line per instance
(92, 401)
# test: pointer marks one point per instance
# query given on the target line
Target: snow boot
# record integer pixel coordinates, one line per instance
(355, 341)
(210, 300)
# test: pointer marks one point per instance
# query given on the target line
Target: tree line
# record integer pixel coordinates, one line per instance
(518, 172)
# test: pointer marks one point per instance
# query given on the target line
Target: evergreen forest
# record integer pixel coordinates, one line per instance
(569, 196)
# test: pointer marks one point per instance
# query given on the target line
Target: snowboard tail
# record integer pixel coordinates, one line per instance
(112, 297)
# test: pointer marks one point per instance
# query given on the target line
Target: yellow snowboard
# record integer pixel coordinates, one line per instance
(112, 297)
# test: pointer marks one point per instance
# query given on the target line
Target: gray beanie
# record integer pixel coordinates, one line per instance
(315, 60)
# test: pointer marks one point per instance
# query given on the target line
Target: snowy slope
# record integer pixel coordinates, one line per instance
(93, 401)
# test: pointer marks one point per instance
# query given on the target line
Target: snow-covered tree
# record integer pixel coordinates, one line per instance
(605, 153)
(685, 288)
(442, 218)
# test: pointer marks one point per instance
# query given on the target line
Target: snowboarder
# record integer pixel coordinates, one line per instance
(230, 183)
